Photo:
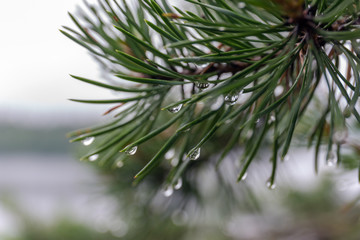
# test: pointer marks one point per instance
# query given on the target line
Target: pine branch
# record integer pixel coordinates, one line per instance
(242, 70)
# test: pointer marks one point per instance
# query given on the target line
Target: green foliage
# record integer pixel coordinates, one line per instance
(240, 71)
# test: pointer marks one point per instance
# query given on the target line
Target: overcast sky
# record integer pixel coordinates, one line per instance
(36, 58)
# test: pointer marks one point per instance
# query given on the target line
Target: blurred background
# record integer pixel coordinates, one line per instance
(47, 193)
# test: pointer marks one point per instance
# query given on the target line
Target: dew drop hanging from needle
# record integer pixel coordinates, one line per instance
(178, 184)
(168, 191)
(87, 141)
(195, 154)
(94, 157)
(270, 185)
(131, 151)
(243, 178)
(231, 98)
(175, 109)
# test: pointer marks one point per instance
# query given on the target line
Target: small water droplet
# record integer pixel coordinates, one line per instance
(178, 184)
(204, 65)
(243, 178)
(286, 158)
(131, 151)
(231, 98)
(347, 112)
(87, 141)
(195, 154)
(170, 154)
(259, 122)
(271, 119)
(340, 136)
(119, 164)
(278, 91)
(249, 133)
(180, 217)
(94, 157)
(270, 185)
(202, 85)
(331, 159)
(168, 191)
(174, 162)
(218, 103)
(241, 5)
(175, 109)
(221, 29)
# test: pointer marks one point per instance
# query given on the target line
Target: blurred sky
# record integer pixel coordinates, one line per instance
(36, 60)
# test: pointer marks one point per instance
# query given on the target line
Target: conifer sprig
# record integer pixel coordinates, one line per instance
(247, 70)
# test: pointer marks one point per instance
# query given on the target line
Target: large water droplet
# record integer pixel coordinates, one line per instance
(168, 191)
(202, 85)
(94, 157)
(195, 154)
(270, 185)
(175, 109)
(178, 184)
(231, 98)
(243, 178)
(331, 159)
(131, 151)
(87, 141)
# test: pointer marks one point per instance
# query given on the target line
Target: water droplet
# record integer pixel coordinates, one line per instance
(194, 154)
(221, 29)
(271, 119)
(347, 112)
(278, 91)
(286, 158)
(174, 162)
(218, 103)
(270, 185)
(331, 159)
(119, 164)
(94, 157)
(204, 65)
(249, 133)
(259, 122)
(180, 217)
(168, 191)
(175, 109)
(202, 85)
(244, 177)
(340, 136)
(170, 154)
(241, 5)
(131, 151)
(231, 98)
(178, 184)
(87, 141)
